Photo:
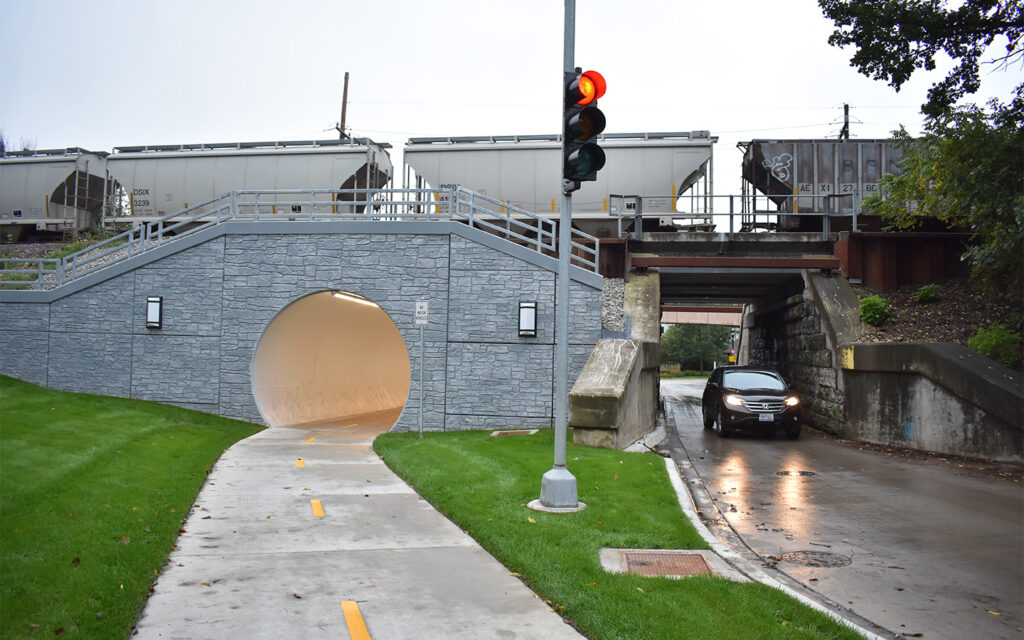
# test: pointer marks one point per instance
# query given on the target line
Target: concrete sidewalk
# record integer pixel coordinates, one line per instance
(255, 561)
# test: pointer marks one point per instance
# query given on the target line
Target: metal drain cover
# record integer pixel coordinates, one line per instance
(665, 564)
(794, 473)
(816, 559)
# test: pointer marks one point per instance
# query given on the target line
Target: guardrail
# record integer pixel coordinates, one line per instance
(309, 205)
(753, 210)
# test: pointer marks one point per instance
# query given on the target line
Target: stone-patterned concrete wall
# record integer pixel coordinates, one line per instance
(223, 287)
(792, 339)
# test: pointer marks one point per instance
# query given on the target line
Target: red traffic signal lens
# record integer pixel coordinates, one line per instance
(591, 86)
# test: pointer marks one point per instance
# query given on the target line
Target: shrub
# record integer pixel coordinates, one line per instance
(996, 342)
(874, 310)
(928, 293)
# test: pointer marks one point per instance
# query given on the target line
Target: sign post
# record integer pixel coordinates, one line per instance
(421, 319)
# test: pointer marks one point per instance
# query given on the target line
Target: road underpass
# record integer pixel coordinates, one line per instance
(914, 544)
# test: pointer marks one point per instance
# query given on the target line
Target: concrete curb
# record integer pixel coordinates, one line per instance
(742, 565)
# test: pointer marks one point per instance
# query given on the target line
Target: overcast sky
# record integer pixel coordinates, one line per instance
(127, 72)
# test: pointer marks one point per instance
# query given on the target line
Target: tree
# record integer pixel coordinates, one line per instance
(968, 171)
(968, 168)
(693, 346)
(895, 38)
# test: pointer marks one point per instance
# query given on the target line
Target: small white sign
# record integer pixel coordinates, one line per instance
(422, 313)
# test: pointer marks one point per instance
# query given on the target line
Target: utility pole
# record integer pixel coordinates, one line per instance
(344, 109)
(844, 134)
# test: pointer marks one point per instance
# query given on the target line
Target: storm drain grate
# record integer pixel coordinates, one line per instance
(816, 559)
(665, 564)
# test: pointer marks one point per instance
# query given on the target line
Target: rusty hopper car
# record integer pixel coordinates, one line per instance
(818, 176)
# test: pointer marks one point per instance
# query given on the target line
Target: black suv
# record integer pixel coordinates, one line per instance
(750, 399)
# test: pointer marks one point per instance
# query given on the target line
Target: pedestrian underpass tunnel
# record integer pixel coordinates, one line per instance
(330, 356)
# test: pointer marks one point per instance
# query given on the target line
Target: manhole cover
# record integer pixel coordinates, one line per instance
(816, 559)
(665, 564)
(794, 473)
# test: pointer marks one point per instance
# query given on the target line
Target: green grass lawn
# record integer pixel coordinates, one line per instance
(483, 484)
(93, 491)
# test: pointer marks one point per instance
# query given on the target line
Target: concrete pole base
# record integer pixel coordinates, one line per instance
(558, 492)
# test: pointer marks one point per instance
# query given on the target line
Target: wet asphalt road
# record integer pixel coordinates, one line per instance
(927, 550)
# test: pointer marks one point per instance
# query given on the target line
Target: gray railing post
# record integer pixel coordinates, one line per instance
(856, 208)
(233, 210)
(825, 221)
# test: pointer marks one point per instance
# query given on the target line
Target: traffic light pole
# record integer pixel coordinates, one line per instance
(558, 487)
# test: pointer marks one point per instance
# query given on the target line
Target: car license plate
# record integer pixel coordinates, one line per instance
(766, 417)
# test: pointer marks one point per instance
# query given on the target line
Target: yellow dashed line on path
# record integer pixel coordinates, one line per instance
(354, 621)
(309, 441)
(318, 510)
(300, 463)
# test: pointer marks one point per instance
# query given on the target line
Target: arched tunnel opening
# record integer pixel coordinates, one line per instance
(331, 357)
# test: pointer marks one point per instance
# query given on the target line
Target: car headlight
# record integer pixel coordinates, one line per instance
(735, 401)
(792, 401)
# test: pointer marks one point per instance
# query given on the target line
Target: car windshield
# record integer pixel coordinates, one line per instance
(752, 380)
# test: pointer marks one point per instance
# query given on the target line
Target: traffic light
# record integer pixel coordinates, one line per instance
(582, 122)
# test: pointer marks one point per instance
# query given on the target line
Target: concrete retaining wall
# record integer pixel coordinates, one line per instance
(939, 397)
(615, 399)
(223, 286)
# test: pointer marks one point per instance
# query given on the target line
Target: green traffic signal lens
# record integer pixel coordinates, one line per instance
(585, 160)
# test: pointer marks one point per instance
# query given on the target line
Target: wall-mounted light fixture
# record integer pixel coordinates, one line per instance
(527, 319)
(154, 312)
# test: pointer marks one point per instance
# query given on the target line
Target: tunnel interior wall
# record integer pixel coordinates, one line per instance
(790, 337)
(324, 357)
(223, 286)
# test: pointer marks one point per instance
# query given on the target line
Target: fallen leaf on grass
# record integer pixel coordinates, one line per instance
(76, 561)
(125, 539)
(532, 521)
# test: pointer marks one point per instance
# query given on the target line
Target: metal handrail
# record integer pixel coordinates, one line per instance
(749, 213)
(316, 205)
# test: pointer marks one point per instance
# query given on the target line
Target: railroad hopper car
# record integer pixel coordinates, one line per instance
(819, 176)
(51, 190)
(159, 180)
(525, 172)
(78, 190)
